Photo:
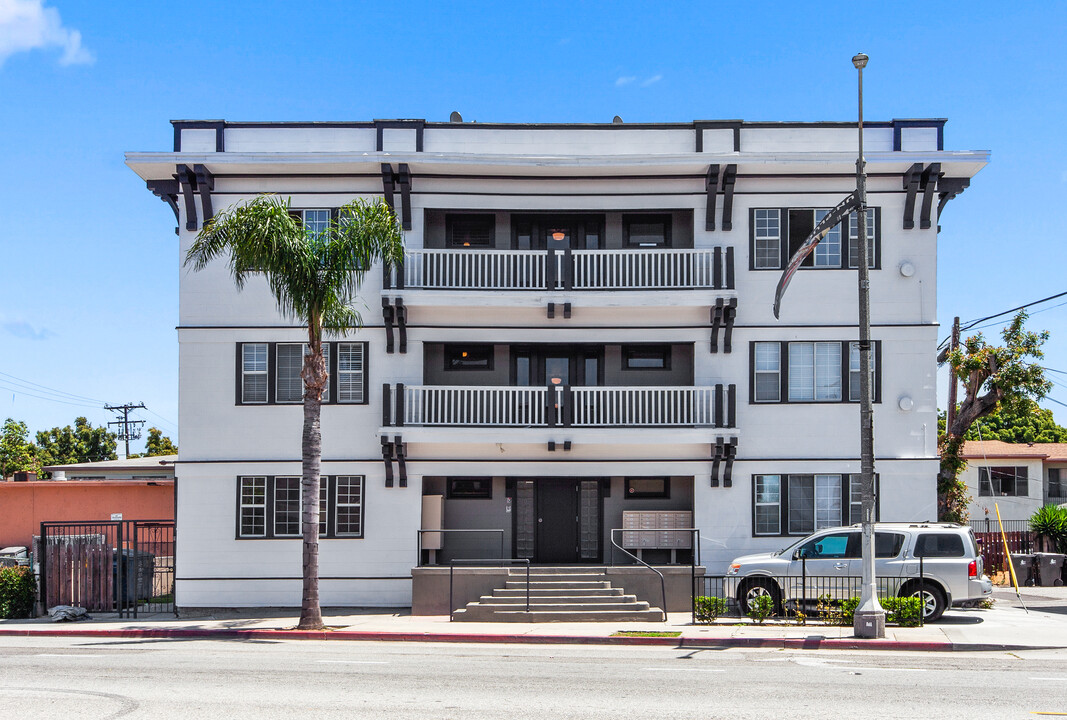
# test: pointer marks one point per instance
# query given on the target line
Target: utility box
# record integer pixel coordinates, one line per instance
(1049, 569)
(433, 518)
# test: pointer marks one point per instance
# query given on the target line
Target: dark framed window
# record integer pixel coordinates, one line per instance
(269, 373)
(1056, 487)
(468, 357)
(476, 231)
(271, 506)
(647, 230)
(775, 234)
(470, 488)
(810, 372)
(803, 504)
(648, 487)
(1003, 481)
(646, 357)
(540, 231)
(315, 221)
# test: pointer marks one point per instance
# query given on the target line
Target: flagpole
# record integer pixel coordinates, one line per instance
(869, 618)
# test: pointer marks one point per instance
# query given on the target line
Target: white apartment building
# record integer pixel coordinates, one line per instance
(582, 327)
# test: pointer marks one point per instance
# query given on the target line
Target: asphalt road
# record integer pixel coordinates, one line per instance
(91, 679)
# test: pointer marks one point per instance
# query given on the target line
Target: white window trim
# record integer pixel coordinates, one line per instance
(245, 373)
(360, 374)
(361, 482)
(756, 238)
(777, 373)
(241, 499)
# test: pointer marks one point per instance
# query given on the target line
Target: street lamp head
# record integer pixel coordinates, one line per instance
(859, 60)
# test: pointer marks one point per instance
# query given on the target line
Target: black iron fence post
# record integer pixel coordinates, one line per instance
(42, 568)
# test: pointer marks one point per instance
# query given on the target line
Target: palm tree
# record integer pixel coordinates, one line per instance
(315, 278)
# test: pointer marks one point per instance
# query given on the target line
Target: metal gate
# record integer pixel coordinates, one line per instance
(124, 566)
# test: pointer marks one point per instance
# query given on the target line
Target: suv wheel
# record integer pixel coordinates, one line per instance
(932, 598)
(752, 589)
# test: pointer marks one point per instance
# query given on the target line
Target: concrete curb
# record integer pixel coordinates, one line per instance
(811, 643)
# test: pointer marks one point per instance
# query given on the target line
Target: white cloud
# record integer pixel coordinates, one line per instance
(28, 25)
(625, 80)
(651, 81)
(26, 331)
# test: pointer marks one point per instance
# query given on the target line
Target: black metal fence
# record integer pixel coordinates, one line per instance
(812, 595)
(123, 566)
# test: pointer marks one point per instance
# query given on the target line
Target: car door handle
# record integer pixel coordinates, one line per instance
(841, 566)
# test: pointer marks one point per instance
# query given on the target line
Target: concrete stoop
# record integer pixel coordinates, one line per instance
(563, 594)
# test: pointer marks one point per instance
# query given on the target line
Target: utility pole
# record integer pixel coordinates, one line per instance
(869, 617)
(950, 413)
(128, 429)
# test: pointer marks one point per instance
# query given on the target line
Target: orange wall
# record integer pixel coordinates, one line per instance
(25, 505)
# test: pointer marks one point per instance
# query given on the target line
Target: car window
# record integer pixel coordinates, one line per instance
(939, 545)
(835, 545)
(887, 545)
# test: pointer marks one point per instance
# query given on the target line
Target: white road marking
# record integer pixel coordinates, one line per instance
(675, 669)
(71, 655)
(1048, 678)
(355, 662)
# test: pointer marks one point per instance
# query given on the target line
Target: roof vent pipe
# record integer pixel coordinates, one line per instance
(616, 120)
(455, 117)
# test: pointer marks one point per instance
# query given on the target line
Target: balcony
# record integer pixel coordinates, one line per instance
(637, 269)
(602, 414)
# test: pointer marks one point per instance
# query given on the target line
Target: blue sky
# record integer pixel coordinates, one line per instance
(88, 288)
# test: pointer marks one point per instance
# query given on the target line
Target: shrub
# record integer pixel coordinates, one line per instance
(904, 611)
(848, 610)
(761, 607)
(18, 592)
(1050, 521)
(708, 609)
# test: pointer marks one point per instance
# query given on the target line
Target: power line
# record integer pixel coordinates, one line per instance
(19, 391)
(972, 323)
(50, 390)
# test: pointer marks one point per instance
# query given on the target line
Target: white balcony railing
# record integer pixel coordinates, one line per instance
(616, 269)
(504, 406)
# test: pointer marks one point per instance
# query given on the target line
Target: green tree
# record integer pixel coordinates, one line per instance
(78, 444)
(315, 278)
(993, 377)
(17, 453)
(1029, 423)
(159, 444)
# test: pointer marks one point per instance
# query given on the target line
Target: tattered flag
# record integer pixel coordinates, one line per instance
(825, 225)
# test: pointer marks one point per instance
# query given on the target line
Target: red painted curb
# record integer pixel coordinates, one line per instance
(813, 643)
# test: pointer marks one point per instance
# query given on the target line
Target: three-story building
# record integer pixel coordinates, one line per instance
(581, 329)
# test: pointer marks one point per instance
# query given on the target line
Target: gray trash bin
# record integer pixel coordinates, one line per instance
(1024, 569)
(1049, 568)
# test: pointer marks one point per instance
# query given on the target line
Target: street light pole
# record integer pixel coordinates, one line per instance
(869, 617)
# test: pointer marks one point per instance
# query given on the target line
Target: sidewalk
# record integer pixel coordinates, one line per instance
(1007, 626)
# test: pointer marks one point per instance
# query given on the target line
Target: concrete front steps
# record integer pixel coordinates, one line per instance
(559, 594)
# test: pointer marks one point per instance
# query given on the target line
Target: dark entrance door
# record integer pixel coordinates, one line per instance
(557, 521)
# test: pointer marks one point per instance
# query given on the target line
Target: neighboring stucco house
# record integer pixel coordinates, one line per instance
(582, 329)
(1017, 477)
(138, 489)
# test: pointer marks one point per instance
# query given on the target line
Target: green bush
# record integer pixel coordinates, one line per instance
(18, 592)
(904, 611)
(761, 607)
(708, 609)
(848, 610)
(1051, 522)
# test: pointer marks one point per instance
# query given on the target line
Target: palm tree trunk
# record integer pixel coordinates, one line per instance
(314, 374)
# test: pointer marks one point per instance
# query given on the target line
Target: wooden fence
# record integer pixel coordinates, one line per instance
(992, 547)
(80, 572)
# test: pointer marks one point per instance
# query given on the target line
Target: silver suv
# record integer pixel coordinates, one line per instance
(829, 560)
